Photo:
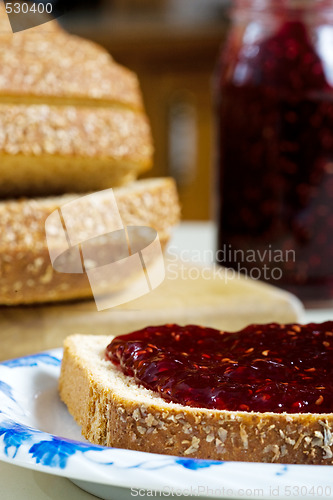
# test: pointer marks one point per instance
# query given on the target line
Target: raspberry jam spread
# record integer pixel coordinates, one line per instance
(276, 368)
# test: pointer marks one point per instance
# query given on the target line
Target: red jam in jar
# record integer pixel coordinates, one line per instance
(274, 99)
(264, 368)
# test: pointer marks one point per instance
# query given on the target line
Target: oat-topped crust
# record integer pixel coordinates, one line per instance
(26, 273)
(151, 201)
(65, 107)
(75, 132)
(57, 65)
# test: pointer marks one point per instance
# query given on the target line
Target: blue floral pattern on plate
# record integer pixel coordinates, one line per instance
(52, 451)
(24, 442)
(31, 361)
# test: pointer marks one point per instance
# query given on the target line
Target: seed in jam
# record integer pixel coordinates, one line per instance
(261, 368)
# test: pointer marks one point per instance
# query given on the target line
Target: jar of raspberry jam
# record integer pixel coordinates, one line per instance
(274, 96)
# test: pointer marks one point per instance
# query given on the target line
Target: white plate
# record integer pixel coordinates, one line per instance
(37, 432)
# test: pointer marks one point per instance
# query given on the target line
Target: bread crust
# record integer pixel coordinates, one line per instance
(56, 149)
(26, 273)
(65, 107)
(58, 66)
(113, 417)
(75, 132)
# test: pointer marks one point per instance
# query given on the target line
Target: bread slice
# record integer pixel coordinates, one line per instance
(113, 411)
(71, 118)
(26, 272)
(52, 66)
(52, 149)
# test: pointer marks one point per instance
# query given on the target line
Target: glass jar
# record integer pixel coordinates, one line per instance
(274, 99)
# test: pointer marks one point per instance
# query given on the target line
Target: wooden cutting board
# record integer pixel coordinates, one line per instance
(189, 294)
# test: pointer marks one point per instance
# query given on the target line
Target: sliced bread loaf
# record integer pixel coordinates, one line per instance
(114, 411)
(71, 118)
(26, 272)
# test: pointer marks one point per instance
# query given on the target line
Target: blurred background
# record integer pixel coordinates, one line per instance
(173, 46)
(272, 185)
